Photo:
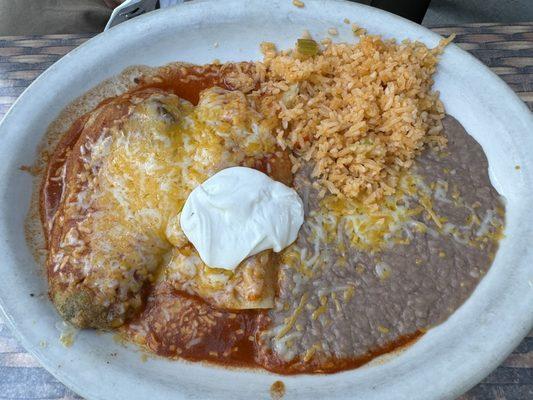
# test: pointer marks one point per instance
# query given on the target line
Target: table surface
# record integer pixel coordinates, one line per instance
(506, 49)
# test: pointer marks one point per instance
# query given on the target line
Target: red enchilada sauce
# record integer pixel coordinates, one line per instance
(175, 324)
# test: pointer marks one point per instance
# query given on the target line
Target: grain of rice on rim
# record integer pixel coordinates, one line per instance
(357, 30)
(359, 112)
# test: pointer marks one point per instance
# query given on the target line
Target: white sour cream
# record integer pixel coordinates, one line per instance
(239, 212)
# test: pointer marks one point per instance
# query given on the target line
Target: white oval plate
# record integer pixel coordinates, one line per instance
(445, 362)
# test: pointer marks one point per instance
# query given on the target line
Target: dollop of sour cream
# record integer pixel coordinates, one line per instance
(239, 212)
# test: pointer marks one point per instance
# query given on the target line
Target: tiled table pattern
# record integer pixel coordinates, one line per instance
(506, 49)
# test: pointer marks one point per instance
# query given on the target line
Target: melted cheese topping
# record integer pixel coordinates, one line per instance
(338, 225)
(139, 174)
(250, 286)
(396, 218)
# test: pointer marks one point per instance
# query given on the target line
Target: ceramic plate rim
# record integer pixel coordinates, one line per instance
(453, 382)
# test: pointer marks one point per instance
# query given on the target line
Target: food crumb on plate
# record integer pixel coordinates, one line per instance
(298, 3)
(277, 390)
(357, 30)
(67, 337)
(67, 333)
(268, 49)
